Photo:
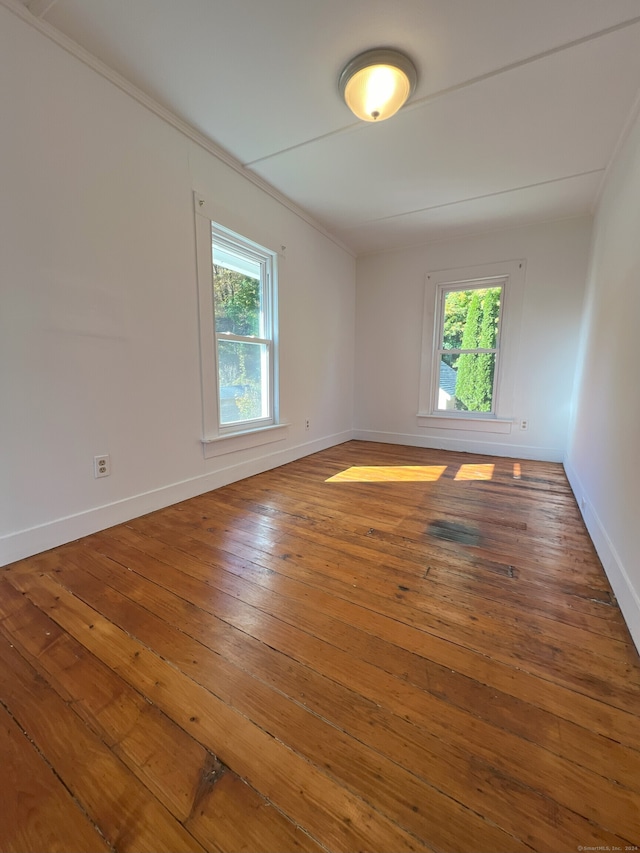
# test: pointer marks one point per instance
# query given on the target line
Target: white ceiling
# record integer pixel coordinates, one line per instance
(517, 112)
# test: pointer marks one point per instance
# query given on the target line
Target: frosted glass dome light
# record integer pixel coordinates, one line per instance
(376, 83)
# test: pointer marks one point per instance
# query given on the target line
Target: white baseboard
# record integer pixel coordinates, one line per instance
(628, 597)
(34, 540)
(486, 448)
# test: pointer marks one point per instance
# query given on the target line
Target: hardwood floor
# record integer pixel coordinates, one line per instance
(375, 648)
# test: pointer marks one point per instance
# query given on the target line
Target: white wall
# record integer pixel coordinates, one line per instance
(390, 297)
(98, 320)
(603, 461)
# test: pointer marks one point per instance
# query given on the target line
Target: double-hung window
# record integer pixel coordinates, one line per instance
(470, 347)
(237, 287)
(467, 350)
(242, 282)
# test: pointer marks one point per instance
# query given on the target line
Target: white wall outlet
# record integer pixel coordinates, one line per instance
(307, 424)
(101, 465)
(524, 424)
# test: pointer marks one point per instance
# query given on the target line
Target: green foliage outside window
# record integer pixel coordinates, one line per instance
(485, 365)
(466, 381)
(455, 317)
(471, 323)
(237, 310)
(237, 302)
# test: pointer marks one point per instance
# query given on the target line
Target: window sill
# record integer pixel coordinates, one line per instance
(465, 422)
(232, 442)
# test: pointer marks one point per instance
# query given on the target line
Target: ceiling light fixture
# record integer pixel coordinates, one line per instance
(376, 83)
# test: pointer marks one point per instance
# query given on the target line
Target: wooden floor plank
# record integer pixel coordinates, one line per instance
(375, 647)
(522, 594)
(163, 756)
(321, 805)
(279, 718)
(398, 555)
(390, 593)
(413, 803)
(575, 666)
(578, 744)
(38, 813)
(382, 579)
(128, 816)
(524, 759)
(235, 819)
(169, 761)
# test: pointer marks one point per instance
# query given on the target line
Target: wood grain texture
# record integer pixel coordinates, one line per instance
(374, 648)
(37, 813)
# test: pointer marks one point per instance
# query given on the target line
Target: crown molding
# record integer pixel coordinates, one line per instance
(87, 58)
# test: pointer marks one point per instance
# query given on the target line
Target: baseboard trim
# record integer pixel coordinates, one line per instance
(463, 445)
(628, 598)
(34, 540)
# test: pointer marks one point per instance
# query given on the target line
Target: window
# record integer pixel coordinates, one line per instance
(237, 286)
(242, 281)
(467, 347)
(470, 347)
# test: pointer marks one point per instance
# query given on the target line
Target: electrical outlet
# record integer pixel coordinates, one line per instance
(101, 465)
(307, 424)
(524, 424)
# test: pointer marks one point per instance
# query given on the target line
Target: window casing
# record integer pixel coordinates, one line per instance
(434, 410)
(237, 290)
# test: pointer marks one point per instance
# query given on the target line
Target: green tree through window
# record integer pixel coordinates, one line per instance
(455, 317)
(468, 350)
(237, 300)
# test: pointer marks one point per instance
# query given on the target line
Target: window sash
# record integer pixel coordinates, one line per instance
(265, 418)
(248, 339)
(463, 351)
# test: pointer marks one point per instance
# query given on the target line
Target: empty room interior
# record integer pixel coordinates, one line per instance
(320, 475)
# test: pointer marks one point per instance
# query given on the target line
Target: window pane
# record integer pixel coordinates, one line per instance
(466, 382)
(243, 375)
(238, 301)
(471, 318)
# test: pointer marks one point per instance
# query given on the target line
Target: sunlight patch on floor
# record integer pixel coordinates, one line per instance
(389, 474)
(475, 472)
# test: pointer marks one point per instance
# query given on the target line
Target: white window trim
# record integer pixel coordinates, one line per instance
(512, 273)
(443, 420)
(441, 294)
(243, 440)
(220, 439)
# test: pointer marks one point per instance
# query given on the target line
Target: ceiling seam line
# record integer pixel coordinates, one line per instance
(466, 84)
(481, 197)
(389, 250)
